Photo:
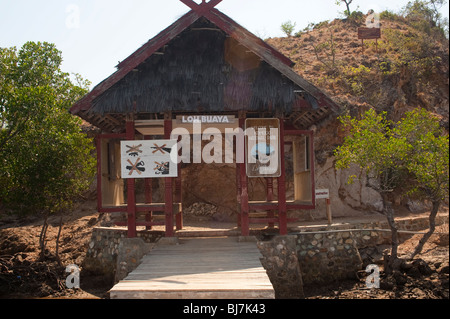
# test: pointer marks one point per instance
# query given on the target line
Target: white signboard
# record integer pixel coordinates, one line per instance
(263, 144)
(148, 159)
(322, 193)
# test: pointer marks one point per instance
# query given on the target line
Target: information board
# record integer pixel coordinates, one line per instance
(262, 145)
(148, 159)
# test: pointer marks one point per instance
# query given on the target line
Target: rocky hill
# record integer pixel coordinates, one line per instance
(405, 69)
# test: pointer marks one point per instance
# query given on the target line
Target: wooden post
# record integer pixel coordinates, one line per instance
(269, 192)
(168, 194)
(179, 199)
(238, 192)
(98, 142)
(131, 184)
(282, 208)
(312, 165)
(245, 222)
(148, 200)
(329, 212)
(148, 188)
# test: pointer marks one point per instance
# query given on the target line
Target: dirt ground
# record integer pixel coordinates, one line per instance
(24, 275)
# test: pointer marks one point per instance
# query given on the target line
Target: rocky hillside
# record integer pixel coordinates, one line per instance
(405, 69)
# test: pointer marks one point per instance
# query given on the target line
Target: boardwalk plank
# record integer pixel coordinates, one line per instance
(197, 268)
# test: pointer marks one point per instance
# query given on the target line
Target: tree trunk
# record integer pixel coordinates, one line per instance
(426, 236)
(43, 236)
(389, 212)
(347, 3)
(57, 240)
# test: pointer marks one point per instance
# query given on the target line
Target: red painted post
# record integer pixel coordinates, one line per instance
(269, 192)
(238, 191)
(282, 209)
(131, 184)
(168, 194)
(148, 187)
(148, 200)
(245, 222)
(98, 143)
(312, 167)
(179, 199)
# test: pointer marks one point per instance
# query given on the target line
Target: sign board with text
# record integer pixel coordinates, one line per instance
(322, 193)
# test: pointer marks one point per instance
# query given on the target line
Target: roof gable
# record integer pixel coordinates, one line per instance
(265, 52)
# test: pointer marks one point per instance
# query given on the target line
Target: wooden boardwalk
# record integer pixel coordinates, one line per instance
(198, 268)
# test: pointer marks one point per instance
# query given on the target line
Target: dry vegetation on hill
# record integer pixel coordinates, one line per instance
(407, 69)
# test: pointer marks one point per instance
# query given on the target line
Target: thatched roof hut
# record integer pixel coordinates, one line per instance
(204, 62)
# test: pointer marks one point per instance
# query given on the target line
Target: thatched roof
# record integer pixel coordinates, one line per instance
(204, 62)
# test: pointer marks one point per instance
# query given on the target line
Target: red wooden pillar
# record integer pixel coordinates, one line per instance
(168, 194)
(282, 208)
(131, 184)
(98, 143)
(148, 200)
(238, 190)
(245, 222)
(179, 199)
(313, 168)
(148, 187)
(269, 198)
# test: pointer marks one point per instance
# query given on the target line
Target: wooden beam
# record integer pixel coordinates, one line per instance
(131, 186)
(245, 223)
(203, 7)
(269, 198)
(282, 209)
(168, 194)
(179, 199)
(98, 143)
(312, 167)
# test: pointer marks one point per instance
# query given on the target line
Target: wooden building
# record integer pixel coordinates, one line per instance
(204, 64)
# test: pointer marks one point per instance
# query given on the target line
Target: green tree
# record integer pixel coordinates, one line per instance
(347, 12)
(427, 161)
(45, 159)
(372, 146)
(288, 27)
(426, 17)
(410, 156)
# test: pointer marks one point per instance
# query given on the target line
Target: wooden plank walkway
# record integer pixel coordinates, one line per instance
(198, 268)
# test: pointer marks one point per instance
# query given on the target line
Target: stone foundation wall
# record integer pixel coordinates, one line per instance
(312, 255)
(104, 246)
(327, 253)
(281, 263)
(326, 257)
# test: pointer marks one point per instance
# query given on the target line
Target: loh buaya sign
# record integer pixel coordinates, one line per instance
(262, 145)
(148, 159)
(206, 119)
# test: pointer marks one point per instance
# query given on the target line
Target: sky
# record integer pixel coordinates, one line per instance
(94, 35)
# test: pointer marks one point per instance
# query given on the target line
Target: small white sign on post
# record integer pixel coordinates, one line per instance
(322, 193)
(148, 159)
(325, 194)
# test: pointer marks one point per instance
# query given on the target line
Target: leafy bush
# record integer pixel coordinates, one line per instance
(45, 159)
